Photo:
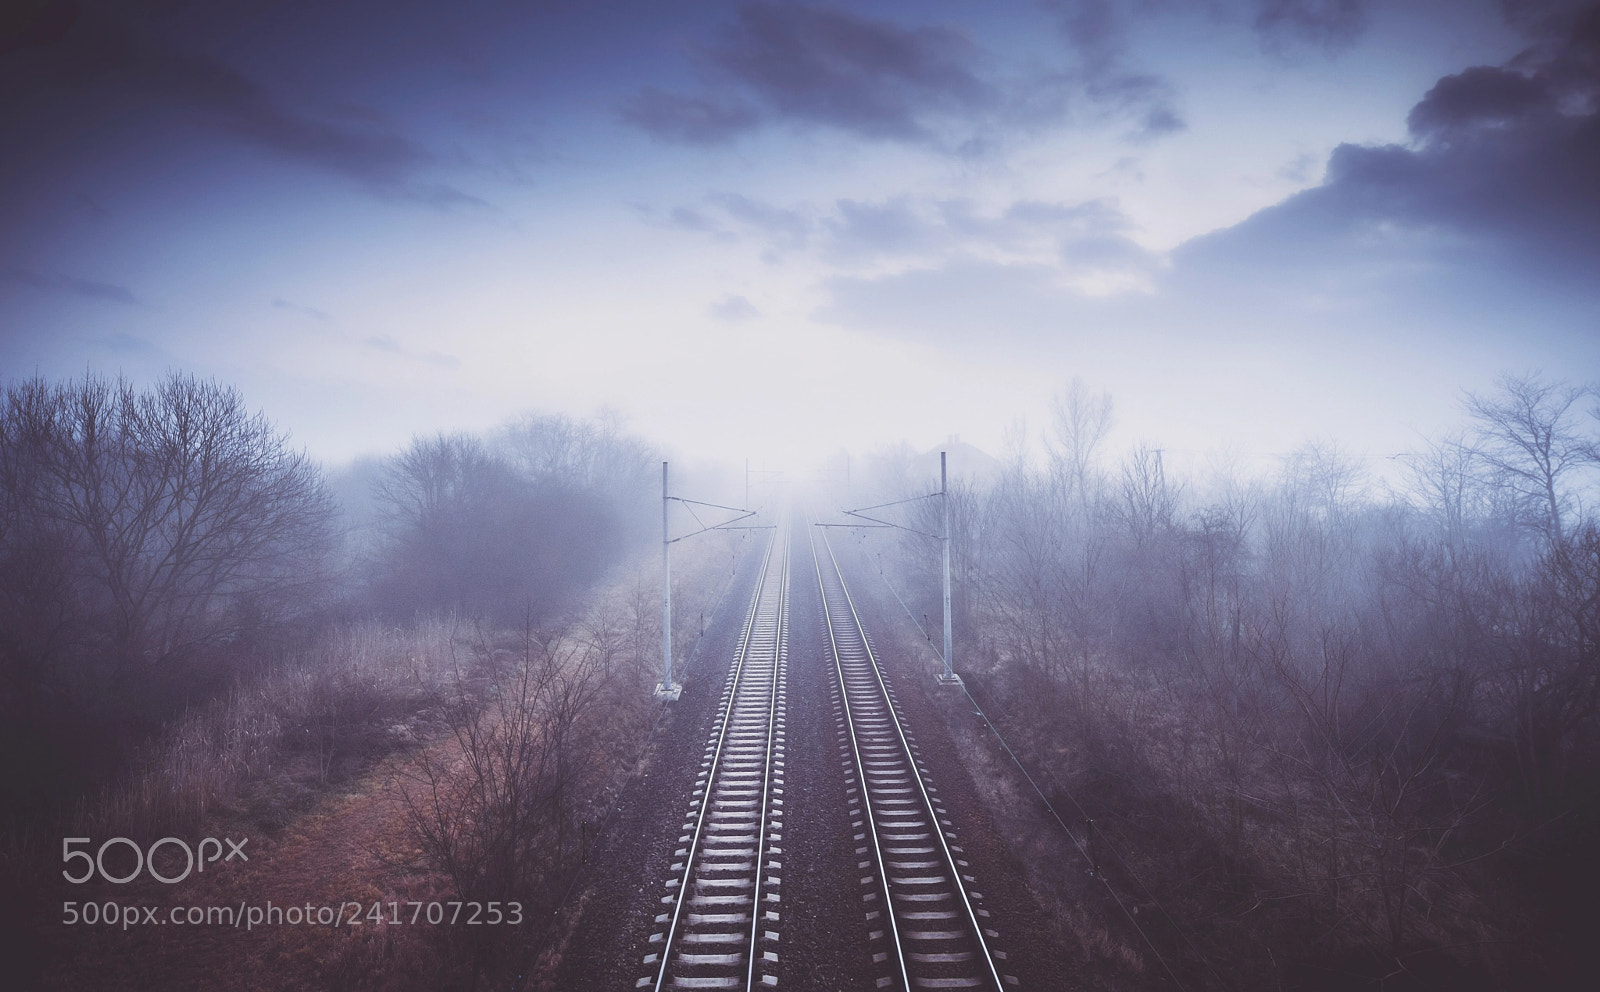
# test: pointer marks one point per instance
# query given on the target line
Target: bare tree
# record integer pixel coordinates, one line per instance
(1147, 505)
(174, 516)
(1081, 423)
(466, 531)
(1446, 484)
(596, 456)
(1353, 701)
(1527, 435)
(459, 523)
(534, 739)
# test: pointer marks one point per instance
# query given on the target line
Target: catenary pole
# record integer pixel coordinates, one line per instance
(667, 687)
(944, 493)
(948, 676)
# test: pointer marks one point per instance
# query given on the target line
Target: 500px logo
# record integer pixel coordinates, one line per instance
(194, 858)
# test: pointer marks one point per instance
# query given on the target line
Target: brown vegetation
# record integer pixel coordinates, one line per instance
(430, 702)
(1330, 735)
(146, 538)
(448, 761)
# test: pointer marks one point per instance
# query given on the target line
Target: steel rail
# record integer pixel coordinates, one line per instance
(741, 663)
(956, 876)
(766, 772)
(861, 771)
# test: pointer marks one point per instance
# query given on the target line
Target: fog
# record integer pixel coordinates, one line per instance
(1304, 706)
(342, 347)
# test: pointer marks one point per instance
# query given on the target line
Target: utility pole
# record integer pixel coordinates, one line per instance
(668, 689)
(949, 677)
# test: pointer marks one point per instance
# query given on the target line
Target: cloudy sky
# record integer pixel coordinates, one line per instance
(778, 229)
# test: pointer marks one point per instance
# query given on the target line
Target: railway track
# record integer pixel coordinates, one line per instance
(926, 921)
(720, 915)
(720, 927)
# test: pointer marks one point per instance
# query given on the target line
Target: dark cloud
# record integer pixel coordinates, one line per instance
(109, 77)
(1486, 225)
(1550, 88)
(734, 309)
(1499, 186)
(814, 65)
(1480, 96)
(71, 285)
(1097, 33)
(1331, 25)
(925, 85)
(1161, 120)
(234, 103)
(868, 77)
(1095, 29)
(1543, 18)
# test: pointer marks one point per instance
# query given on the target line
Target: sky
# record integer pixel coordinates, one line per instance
(777, 230)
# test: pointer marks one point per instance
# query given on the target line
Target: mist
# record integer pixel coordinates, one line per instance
(386, 394)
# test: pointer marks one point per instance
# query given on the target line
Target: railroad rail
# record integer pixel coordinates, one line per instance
(722, 928)
(928, 928)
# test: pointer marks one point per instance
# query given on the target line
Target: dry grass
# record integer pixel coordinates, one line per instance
(1253, 858)
(362, 692)
(1251, 863)
(312, 761)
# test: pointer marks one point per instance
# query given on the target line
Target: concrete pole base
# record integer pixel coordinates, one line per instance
(951, 679)
(668, 693)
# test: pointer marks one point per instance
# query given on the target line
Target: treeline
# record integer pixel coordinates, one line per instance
(1337, 734)
(157, 544)
(506, 527)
